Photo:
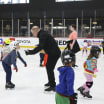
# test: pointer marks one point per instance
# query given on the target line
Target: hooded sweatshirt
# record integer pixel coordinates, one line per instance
(66, 81)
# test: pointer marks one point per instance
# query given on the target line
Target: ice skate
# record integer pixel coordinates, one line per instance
(47, 84)
(87, 94)
(9, 85)
(41, 65)
(81, 89)
(49, 90)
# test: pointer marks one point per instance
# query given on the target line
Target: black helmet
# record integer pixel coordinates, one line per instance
(95, 50)
(67, 56)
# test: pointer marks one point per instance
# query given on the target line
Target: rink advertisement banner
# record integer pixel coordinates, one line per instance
(24, 42)
(32, 42)
(62, 42)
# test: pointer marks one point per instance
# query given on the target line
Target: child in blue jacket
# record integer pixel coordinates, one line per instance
(65, 89)
(9, 60)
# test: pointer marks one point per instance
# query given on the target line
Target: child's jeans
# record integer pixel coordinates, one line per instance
(8, 71)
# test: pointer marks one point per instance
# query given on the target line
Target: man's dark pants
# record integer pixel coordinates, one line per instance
(51, 62)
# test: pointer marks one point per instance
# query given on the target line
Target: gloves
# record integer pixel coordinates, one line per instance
(73, 98)
(15, 69)
(27, 52)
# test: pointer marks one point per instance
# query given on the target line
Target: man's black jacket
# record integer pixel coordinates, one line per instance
(47, 43)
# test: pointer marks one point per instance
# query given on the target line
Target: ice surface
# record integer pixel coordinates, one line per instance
(30, 82)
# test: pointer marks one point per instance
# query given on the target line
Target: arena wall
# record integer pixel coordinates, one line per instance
(31, 42)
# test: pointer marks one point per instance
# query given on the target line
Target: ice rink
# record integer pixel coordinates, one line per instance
(30, 82)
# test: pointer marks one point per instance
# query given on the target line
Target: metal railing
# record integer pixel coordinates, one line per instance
(86, 27)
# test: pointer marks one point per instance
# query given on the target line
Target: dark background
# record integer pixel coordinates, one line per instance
(52, 9)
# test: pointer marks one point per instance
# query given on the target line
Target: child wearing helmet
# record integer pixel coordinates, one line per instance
(65, 89)
(9, 60)
(90, 67)
(5, 48)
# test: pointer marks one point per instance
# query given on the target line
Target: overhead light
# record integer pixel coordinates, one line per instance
(60, 23)
(50, 23)
(70, 0)
(59, 27)
(86, 27)
(94, 23)
(31, 23)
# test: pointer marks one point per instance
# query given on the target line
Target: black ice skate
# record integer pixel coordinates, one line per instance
(87, 94)
(81, 89)
(49, 89)
(41, 65)
(12, 83)
(47, 84)
(9, 85)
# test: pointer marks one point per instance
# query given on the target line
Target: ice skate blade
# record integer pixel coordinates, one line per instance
(49, 92)
(87, 98)
(84, 96)
(9, 88)
(45, 87)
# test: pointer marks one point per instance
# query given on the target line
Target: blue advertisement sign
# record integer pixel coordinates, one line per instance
(1, 40)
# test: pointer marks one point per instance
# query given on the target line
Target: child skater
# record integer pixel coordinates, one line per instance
(90, 67)
(84, 47)
(9, 60)
(5, 49)
(65, 89)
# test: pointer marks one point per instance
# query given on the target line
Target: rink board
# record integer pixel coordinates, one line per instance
(31, 42)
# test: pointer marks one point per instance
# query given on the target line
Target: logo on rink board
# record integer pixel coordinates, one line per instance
(61, 42)
(24, 41)
(1, 41)
(31, 42)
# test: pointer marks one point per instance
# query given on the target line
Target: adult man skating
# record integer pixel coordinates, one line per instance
(49, 45)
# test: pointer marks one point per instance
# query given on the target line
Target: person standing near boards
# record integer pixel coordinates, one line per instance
(72, 44)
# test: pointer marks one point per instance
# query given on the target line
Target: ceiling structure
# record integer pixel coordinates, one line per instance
(53, 9)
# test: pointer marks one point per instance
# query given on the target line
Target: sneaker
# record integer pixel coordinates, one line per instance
(47, 84)
(50, 89)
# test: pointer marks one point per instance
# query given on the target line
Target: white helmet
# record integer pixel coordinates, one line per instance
(13, 45)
